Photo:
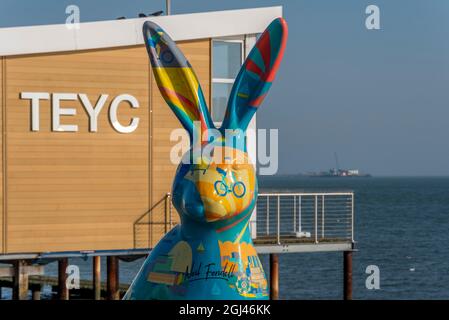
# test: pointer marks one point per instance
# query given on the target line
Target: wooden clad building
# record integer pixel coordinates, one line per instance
(77, 180)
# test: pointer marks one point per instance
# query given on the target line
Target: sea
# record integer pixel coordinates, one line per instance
(401, 227)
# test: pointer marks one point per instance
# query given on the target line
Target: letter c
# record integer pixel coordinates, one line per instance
(113, 113)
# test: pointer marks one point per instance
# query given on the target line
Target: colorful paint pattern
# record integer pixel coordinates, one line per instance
(210, 255)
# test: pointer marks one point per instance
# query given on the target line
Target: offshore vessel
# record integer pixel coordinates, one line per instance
(338, 172)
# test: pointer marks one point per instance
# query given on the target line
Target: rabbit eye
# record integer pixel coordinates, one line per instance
(167, 56)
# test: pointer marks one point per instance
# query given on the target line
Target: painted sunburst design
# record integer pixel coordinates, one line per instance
(225, 183)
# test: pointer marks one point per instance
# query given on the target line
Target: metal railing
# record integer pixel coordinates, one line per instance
(154, 223)
(280, 218)
(304, 217)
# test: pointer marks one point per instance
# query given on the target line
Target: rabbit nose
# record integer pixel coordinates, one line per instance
(191, 202)
(194, 209)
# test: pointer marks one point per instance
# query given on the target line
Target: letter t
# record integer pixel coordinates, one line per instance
(35, 97)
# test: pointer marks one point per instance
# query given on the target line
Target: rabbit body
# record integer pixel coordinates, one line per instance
(210, 254)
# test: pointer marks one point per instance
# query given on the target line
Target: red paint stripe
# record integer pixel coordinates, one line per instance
(257, 101)
(264, 47)
(191, 107)
(277, 61)
(229, 226)
(251, 66)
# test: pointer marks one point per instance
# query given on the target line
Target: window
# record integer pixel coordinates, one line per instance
(227, 58)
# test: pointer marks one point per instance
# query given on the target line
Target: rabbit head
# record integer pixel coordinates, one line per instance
(215, 180)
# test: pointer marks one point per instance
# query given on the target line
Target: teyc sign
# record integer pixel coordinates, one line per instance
(92, 111)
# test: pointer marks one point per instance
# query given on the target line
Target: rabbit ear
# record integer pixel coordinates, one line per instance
(256, 76)
(176, 79)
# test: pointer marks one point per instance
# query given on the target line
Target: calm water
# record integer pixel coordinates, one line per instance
(402, 226)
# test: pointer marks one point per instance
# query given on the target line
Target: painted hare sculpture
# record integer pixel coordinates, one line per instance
(210, 254)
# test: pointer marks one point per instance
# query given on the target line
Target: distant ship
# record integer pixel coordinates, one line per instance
(337, 172)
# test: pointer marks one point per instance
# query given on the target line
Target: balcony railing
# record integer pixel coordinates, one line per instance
(304, 217)
(280, 218)
(154, 224)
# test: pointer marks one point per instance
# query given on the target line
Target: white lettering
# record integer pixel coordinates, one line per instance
(91, 111)
(35, 97)
(113, 113)
(57, 112)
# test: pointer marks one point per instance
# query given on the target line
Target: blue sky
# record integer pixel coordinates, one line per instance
(378, 98)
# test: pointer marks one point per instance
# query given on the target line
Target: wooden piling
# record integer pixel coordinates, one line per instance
(63, 291)
(113, 292)
(96, 271)
(36, 292)
(20, 288)
(347, 275)
(274, 276)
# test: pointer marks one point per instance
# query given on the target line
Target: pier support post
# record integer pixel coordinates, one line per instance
(20, 289)
(63, 291)
(36, 292)
(113, 278)
(347, 275)
(274, 276)
(96, 271)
